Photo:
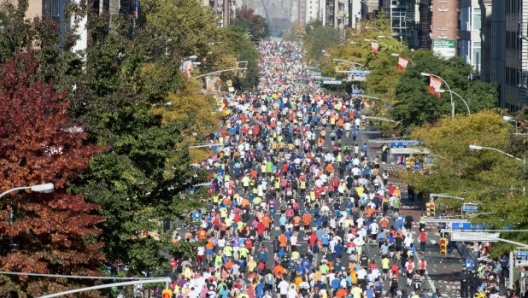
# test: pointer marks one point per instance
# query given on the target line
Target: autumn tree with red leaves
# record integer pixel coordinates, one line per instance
(52, 233)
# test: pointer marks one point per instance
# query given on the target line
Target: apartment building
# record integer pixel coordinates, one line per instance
(444, 27)
(469, 38)
(402, 17)
(509, 52)
(369, 8)
(312, 10)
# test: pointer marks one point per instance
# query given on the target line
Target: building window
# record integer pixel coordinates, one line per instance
(51, 8)
(476, 19)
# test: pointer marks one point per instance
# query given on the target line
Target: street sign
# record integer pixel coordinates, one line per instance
(408, 151)
(521, 257)
(465, 226)
(465, 231)
(470, 208)
(474, 236)
(331, 81)
(404, 143)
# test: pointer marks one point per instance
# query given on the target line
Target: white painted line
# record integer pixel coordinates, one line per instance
(433, 242)
(431, 284)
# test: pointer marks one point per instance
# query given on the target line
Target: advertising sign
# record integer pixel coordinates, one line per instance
(445, 48)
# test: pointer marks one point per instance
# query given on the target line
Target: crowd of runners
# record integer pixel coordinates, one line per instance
(297, 200)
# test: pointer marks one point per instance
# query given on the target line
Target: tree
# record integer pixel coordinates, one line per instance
(244, 50)
(178, 28)
(485, 177)
(54, 233)
(254, 24)
(141, 179)
(58, 63)
(320, 38)
(416, 106)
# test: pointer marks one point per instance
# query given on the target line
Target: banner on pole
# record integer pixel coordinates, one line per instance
(435, 84)
(402, 63)
(375, 46)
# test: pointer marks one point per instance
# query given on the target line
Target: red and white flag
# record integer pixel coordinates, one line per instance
(435, 84)
(375, 46)
(402, 62)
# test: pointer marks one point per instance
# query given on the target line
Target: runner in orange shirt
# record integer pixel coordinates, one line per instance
(296, 223)
(266, 221)
(307, 219)
(329, 168)
(278, 271)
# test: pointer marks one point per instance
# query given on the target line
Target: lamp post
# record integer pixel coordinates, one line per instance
(523, 160)
(458, 95)
(46, 188)
(398, 55)
(425, 74)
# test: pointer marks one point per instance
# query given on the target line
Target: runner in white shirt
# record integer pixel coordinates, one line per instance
(283, 288)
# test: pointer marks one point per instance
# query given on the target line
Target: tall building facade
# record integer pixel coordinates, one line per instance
(369, 8)
(469, 39)
(402, 17)
(485, 39)
(444, 27)
(509, 52)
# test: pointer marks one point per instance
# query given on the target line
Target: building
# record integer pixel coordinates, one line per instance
(354, 12)
(485, 39)
(311, 10)
(422, 27)
(444, 27)
(469, 38)
(224, 10)
(402, 18)
(55, 9)
(369, 8)
(509, 52)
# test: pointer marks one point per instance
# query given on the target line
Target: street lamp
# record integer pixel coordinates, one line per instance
(46, 188)
(398, 55)
(458, 95)
(425, 74)
(523, 160)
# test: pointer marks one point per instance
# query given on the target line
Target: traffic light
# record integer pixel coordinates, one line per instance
(443, 246)
(431, 209)
(166, 293)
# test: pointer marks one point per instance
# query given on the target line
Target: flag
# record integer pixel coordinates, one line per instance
(435, 84)
(402, 62)
(375, 46)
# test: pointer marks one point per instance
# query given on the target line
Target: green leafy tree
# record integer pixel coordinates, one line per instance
(140, 180)
(178, 28)
(486, 177)
(415, 105)
(243, 49)
(319, 40)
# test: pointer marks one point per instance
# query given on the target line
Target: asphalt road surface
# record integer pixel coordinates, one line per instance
(441, 270)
